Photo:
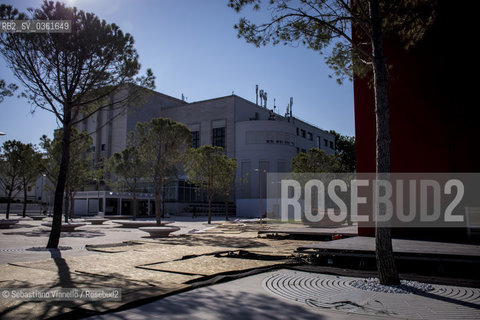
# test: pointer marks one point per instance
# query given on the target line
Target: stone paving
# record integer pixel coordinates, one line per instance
(337, 293)
(288, 294)
(146, 268)
(16, 243)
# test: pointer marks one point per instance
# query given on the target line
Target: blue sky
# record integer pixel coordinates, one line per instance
(192, 48)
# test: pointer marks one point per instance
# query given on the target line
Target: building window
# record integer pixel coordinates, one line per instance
(218, 137)
(319, 142)
(325, 142)
(304, 133)
(310, 136)
(298, 131)
(331, 145)
(298, 150)
(195, 139)
(304, 151)
(103, 147)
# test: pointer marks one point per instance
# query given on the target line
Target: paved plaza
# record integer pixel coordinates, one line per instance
(287, 294)
(218, 271)
(17, 243)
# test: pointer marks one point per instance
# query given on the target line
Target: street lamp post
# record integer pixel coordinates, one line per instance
(260, 192)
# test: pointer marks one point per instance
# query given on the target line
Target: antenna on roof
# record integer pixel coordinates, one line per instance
(291, 104)
(256, 93)
(265, 99)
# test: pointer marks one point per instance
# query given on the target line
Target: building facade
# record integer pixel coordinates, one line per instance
(262, 141)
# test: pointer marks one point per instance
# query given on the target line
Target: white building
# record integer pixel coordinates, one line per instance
(262, 141)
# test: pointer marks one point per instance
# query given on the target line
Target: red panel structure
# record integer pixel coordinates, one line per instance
(434, 125)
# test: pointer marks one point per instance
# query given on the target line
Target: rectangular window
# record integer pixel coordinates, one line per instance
(310, 136)
(325, 141)
(331, 145)
(304, 133)
(103, 147)
(218, 138)
(282, 166)
(195, 139)
(319, 142)
(298, 131)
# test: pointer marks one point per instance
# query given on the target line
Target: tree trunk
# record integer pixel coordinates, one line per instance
(226, 210)
(55, 232)
(158, 204)
(135, 206)
(24, 212)
(67, 205)
(210, 209)
(163, 203)
(72, 206)
(387, 272)
(9, 201)
(134, 198)
(158, 190)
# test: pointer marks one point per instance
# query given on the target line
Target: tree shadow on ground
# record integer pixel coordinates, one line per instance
(21, 225)
(44, 232)
(131, 290)
(214, 241)
(211, 304)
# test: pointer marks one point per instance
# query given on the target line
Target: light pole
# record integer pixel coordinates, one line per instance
(260, 191)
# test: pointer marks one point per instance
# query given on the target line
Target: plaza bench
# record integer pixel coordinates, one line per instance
(139, 223)
(159, 232)
(6, 223)
(67, 227)
(96, 221)
(472, 217)
(37, 218)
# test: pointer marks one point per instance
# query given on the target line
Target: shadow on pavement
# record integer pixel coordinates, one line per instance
(44, 232)
(216, 241)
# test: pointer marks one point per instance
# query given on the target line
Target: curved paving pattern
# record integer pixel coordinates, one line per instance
(332, 292)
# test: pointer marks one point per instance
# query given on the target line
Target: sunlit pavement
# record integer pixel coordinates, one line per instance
(288, 294)
(20, 243)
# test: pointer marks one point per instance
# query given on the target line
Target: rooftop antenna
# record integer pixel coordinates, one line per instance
(183, 97)
(274, 106)
(291, 104)
(265, 99)
(261, 96)
(256, 93)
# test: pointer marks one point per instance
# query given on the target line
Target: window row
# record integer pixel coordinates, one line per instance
(218, 138)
